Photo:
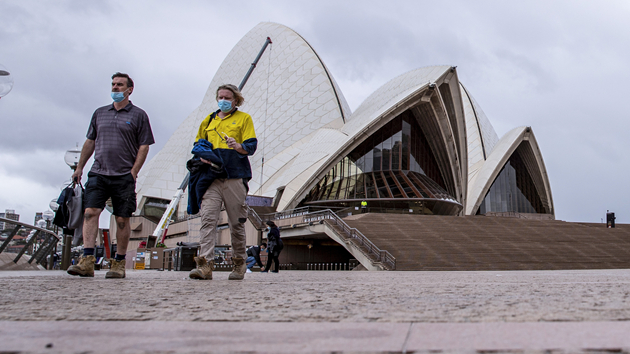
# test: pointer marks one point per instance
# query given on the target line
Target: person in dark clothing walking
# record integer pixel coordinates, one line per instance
(274, 247)
(253, 256)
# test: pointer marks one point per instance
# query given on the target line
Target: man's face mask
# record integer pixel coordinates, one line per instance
(118, 96)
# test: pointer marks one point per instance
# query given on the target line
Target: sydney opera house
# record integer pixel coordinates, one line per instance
(419, 145)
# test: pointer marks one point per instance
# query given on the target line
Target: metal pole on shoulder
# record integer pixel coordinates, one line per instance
(162, 227)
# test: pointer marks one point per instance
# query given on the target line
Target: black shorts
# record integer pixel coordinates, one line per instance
(122, 190)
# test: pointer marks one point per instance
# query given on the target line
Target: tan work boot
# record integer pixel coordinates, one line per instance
(85, 268)
(238, 272)
(203, 270)
(117, 269)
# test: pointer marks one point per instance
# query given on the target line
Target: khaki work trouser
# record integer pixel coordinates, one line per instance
(231, 193)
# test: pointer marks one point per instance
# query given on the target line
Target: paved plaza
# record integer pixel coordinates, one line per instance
(317, 312)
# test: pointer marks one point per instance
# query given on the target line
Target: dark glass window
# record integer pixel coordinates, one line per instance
(360, 194)
(393, 184)
(383, 191)
(513, 190)
(406, 137)
(371, 191)
(394, 162)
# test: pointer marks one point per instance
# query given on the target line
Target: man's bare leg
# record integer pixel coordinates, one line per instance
(90, 226)
(123, 231)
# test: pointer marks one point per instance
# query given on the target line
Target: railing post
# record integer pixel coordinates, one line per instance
(10, 237)
(52, 249)
(26, 246)
(36, 256)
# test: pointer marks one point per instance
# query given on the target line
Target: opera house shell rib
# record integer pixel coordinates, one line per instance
(420, 143)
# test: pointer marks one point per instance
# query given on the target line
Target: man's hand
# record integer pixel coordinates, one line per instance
(76, 176)
(134, 174)
(205, 161)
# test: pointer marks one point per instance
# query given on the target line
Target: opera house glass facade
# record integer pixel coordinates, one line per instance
(514, 189)
(392, 169)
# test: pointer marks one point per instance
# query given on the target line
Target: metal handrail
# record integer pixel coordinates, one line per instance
(184, 218)
(291, 213)
(252, 214)
(286, 214)
(365, 245)
(50, 240)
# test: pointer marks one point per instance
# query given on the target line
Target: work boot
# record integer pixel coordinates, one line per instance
(203, 270)
(117, 269)
(85, 268)
(238, 271)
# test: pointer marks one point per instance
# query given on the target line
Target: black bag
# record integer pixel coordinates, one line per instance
(62, 215)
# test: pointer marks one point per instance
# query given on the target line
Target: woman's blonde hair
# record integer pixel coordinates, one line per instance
(238, 97)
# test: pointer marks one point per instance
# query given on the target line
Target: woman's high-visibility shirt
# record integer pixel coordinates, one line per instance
(238, 125)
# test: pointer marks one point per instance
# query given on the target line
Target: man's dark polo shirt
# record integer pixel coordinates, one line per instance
(118, 136)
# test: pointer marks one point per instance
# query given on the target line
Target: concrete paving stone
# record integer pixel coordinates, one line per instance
(200, 337)
(278, 337)
(390, 311)
(543, 336)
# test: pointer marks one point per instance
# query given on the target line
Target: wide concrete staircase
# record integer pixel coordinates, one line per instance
(430, 242)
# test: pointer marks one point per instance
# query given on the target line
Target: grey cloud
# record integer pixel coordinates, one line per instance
(558, 66)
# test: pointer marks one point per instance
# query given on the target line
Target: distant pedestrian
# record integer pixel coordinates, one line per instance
(119, 137)
(274, 247)
(253, 256)
(363, 206)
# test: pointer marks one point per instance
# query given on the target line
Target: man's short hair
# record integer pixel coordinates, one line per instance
(238, 97)
(119, 74)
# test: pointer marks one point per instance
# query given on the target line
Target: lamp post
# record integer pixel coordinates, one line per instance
(54, 206)
(72, 159)
(48, 216)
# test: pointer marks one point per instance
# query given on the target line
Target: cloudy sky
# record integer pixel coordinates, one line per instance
(560, 67)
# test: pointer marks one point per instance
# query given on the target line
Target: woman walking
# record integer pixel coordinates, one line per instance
(274, 247)
(229, 133)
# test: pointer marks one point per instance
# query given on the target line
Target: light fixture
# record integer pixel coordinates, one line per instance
(53, 205)
(48, 215)
(72, 157)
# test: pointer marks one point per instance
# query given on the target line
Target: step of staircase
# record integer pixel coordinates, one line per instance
(432, 242)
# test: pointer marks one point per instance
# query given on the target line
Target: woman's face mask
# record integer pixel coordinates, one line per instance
(225, 106)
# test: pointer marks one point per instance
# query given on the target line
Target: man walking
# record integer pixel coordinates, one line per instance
(119, 136)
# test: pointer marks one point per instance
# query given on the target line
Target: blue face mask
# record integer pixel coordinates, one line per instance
(225, 106)
(118, 96)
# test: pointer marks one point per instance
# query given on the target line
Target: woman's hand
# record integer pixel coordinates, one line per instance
(232, 144)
